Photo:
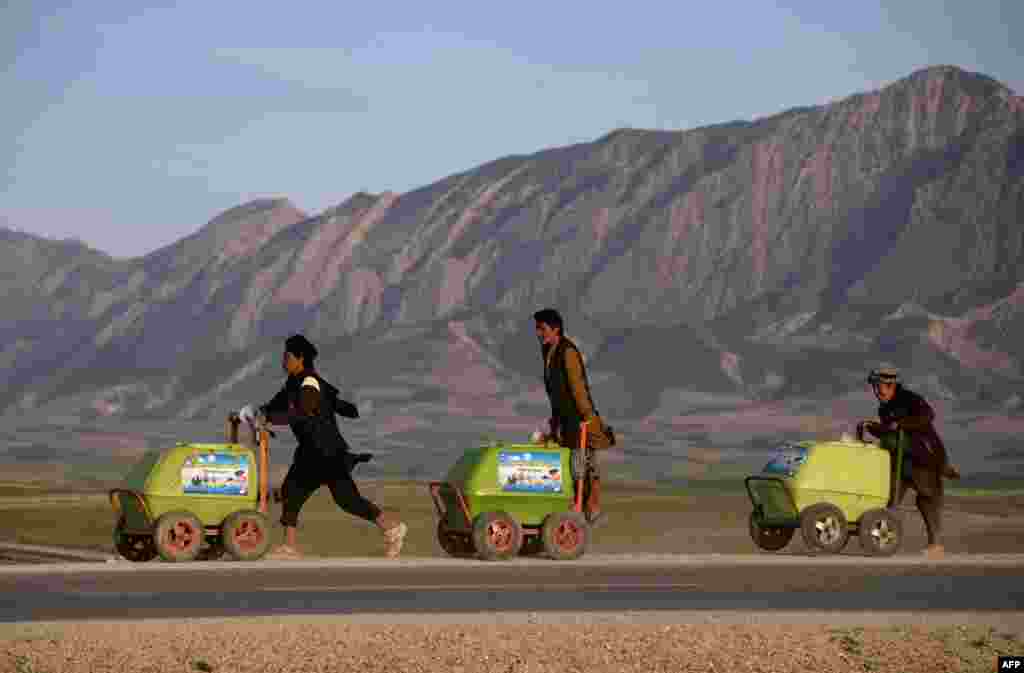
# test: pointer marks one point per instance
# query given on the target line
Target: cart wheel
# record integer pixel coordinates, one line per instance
(178, 536)
(136, 548)
(880, 532)
(246, 535)
(496, 536)
(532, 545)
(213, 550)
(824, 528)
(453, 544)
(565, 535)
(769, 538)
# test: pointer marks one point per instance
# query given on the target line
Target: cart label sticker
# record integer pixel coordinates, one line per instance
(787, 460)
(215, 474)
(530, 471)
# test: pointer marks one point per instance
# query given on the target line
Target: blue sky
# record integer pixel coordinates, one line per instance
(132, 125)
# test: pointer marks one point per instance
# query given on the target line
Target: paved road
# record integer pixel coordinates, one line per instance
(56, 592)
(14, 553)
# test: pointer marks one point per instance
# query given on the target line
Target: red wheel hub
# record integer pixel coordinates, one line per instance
(182, 536)
(567, 535)
(500, 534)
(248, 535)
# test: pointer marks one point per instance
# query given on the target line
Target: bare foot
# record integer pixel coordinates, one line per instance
(935, 551)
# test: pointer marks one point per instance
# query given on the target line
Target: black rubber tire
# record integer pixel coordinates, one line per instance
(496, 536)
(533, 545)
(565, 535)
(246, 535)
(824, 528)
(135, 548)
(213, 551)
(178, 536)
(769, 538)
(456, 545)
(880, 532)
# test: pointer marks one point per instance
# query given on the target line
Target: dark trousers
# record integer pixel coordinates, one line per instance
(305, 477)
(930, 507)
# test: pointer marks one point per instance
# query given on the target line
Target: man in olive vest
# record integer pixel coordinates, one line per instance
(565, 379)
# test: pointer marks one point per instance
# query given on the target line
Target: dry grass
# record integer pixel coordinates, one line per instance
(963, 648)
(977, 647)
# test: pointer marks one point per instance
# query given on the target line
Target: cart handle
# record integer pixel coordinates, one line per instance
(234, 420)
(577, 504)
(114, 496)
(442, 510)
(261, 435)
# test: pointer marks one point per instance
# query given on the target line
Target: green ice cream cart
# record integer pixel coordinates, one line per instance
(501, 500)
(829, 491)
(196, 501)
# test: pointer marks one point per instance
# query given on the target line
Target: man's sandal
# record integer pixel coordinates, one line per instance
(284, 553)
(394, 538)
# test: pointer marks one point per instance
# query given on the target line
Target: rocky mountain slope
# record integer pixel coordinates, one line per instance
(748, 263)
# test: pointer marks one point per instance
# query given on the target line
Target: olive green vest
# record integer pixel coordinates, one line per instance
(556, 382)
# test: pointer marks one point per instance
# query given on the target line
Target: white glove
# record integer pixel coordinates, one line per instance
(248, 414)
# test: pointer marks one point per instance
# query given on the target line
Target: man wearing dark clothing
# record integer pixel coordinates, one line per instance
(308, 404)
(565, 380)
(927, 461)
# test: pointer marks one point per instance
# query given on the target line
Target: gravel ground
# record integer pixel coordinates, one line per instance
(529, 646)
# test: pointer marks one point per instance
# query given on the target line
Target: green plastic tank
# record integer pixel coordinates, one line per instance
(211, 481)
(525, 480)
(829, 490)
(852, 475)
(502, 500)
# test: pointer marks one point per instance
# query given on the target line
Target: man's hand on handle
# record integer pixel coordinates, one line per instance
(865, 427)
(255, 419)
(552, 435)
(247, 414)
(257, 422)
(555, 431)
(875, 428)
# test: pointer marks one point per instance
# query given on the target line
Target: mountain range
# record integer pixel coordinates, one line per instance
(730, 286)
